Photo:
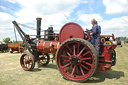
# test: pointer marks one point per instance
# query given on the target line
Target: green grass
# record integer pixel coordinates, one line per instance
(11, 72)
(126, 45)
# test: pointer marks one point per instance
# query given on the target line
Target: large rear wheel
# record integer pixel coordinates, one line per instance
(76, 59)
(113, 57)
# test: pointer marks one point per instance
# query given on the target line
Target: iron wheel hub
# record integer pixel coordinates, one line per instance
(74, 60)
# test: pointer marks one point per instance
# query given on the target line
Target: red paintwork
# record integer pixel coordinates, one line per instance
(14, 49)
(102, 68)
(20, 49)
(71, 30)
(26, 61)
(15, 46)
(83, 57)
(106, 58)
(46, 46)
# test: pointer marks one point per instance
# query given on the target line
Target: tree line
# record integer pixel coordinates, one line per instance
(6, 40)
(122, 39)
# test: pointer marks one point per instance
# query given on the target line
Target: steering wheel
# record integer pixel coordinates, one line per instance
(88, 35)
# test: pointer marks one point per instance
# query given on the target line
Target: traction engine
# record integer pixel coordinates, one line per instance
(75, 56)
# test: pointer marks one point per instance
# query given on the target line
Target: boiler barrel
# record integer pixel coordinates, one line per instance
(48, 46)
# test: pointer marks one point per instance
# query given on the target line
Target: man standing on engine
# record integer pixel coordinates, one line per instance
(99, 31)
(96, 35)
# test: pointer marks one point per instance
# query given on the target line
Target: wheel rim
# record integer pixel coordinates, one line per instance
(75, 61)
(44, 59)
(26, 62)
(113, 58)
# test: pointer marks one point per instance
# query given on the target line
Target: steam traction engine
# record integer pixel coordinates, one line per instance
(75, 56)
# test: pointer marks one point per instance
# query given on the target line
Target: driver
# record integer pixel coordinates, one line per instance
(99, 29)
(96, 34)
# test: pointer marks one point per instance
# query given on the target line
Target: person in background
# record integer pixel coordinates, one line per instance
(96, 34)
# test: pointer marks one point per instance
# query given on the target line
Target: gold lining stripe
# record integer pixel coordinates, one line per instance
(50, 47)
(43, 46)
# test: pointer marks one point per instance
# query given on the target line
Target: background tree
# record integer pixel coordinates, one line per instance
(6, 40)
(121, 38)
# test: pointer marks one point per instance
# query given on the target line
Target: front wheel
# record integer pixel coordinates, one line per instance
(76, 59)
(27, 61)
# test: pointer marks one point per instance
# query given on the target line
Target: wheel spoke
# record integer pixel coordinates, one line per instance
(86, 59)
(81, 51)
(28, 57)
(77, 70)
(74, 53)
(24, 58)
(69, 68)
(88, 63)
(65, 56)
(82, 71)
(73, 71)
(69, 48)
(65, 60)
(25, 65)
(69, 54)
(66, 65)
(29, 65)
(85, 67)
(85, 53)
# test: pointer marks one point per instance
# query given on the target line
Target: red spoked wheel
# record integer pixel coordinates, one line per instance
(44, 59)
(27, 61)
(76, 59)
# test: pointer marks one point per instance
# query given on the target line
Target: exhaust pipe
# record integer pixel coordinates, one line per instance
(38, 27)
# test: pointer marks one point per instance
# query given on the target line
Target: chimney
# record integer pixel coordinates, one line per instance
(38, 27)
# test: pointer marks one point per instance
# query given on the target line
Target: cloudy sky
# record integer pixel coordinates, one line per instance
(112, 15)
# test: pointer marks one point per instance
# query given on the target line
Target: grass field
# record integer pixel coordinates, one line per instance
(11, 72)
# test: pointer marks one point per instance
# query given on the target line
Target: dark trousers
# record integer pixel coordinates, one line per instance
(97, 44)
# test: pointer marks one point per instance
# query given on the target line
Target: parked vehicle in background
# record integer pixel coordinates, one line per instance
(16, 46)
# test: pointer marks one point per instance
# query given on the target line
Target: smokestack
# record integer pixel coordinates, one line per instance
(38, 27)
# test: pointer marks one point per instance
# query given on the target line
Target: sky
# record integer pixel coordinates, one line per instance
(112, 15)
